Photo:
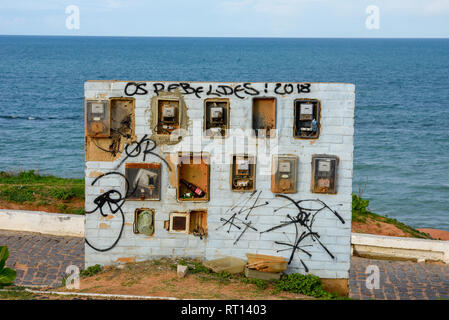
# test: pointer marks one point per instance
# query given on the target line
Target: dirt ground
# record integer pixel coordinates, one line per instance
(54, 207)
(159, 279)
(377, 227)
(435, 233)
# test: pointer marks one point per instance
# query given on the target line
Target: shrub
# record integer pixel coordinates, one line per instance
(7, 275)
(309, 285)
(90, 271)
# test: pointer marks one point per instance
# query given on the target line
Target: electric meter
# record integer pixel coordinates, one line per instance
(324, 174)
(284, 174)
(98, 120)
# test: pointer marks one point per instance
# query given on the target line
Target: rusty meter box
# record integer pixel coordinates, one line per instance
(98, 118)
(284, 174)
(324, 174)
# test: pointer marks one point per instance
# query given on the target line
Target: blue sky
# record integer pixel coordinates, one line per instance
(228, 18)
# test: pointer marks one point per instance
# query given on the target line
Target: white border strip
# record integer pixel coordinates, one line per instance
(102, 295)
(400, 247)
(58, 224)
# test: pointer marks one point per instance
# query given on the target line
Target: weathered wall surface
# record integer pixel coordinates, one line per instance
(336, 138)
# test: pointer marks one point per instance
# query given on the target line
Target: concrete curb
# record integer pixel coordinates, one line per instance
(371, 245)
(42, 222)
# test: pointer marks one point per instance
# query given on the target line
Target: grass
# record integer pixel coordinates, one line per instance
(15, 293)
(31, 188)
(361, 213)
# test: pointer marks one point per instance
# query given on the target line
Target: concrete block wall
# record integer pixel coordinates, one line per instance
(336, 138)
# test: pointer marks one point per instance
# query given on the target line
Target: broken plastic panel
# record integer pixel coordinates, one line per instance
(284, 174)
(307, 119)
(169, 116)
(324, 174)
(243, 173)
(145, 180)
(216, 117)
(144, 221)
(193, 177)
(98, 120)
(264, 116)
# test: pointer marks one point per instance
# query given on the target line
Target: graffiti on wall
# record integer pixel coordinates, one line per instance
(304, 219)
(110, 203)
(240, 90)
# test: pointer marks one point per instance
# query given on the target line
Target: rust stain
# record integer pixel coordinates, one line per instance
(126, 259)
(313, 141)
(172, 173)
(95, 174)
(128, 224)
(108, 217)
(104, 226)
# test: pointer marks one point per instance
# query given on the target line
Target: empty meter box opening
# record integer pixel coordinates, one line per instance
(264, 116)
(193, 177)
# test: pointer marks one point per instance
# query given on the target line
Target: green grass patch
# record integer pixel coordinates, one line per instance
(308, 285)
(90, 271)
(29, 187)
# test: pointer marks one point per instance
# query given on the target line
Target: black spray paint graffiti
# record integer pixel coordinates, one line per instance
(114, 201)
(305, 218)
(242, 205)
(144, 146)
(221, 90)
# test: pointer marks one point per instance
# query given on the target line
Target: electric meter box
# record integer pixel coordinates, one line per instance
(216, 117)
(179, 222)
(169, 116)
(144, 221)
(144, 181)
(98, 119)
(306, 119)
(284, 177)
(324, 174)
(243, 173)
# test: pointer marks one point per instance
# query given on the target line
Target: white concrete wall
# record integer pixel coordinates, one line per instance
(42, 222)
(336, 138)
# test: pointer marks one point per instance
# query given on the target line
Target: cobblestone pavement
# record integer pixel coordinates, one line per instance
(399, 280)
(41, 260)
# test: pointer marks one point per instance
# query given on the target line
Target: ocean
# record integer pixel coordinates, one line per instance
(402, 101)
